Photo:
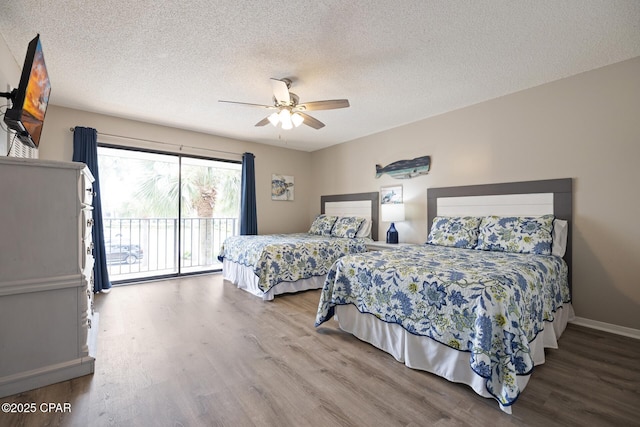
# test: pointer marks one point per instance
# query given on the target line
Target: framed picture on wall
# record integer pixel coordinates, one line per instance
(281, 187)
(391, 194)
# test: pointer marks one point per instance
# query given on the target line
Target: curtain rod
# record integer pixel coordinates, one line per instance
(165, 143)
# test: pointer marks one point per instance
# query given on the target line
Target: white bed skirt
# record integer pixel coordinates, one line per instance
(246, 279)
(428, 355)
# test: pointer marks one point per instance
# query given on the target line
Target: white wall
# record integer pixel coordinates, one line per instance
(586, 127)
(9, 79)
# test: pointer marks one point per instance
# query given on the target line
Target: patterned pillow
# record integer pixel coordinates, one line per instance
(524, 234)
(347, 226)
(322, 225)
(458, 232)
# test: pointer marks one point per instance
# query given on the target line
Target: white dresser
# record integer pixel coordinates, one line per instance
(46, 273)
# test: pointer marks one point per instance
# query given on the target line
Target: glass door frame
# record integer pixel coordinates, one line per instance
(179, 266)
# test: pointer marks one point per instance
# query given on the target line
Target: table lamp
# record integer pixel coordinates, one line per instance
(392, 212)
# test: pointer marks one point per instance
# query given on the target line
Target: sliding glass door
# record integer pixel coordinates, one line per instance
(165, 214)
(210, 207)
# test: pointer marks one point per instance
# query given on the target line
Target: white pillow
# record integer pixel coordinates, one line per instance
(559, 237)
(365, 229)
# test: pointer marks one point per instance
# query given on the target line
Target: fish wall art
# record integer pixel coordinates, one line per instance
(404, 169)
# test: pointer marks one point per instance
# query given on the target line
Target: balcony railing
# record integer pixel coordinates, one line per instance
(149, 247)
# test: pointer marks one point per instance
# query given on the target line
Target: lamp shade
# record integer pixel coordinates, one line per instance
(392, 212)
(274, 119)
(297, 119)
(285, 119)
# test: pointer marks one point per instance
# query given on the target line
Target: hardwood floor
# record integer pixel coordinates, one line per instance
(198, 351)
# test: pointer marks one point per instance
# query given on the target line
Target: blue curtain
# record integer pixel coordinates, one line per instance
(248, 216)
(85, 150)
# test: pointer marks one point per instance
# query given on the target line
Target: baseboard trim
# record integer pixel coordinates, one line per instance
(607, 327)
(36, 378)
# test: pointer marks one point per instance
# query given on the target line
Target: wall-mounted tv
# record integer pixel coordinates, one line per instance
(30, 99)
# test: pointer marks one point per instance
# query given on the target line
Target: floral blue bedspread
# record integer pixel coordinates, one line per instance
(277, 258)
(490, 304)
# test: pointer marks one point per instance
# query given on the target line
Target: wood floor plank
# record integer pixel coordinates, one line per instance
(198, 351)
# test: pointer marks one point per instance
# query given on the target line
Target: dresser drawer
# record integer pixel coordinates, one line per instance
(86, 258)
(86, 223)
(85, 189)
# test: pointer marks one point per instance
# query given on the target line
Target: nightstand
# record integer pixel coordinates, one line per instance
(381, 245)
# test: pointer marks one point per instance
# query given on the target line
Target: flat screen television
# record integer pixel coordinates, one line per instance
(30, 99)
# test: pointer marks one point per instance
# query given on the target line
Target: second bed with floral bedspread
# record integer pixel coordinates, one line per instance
(280, 258)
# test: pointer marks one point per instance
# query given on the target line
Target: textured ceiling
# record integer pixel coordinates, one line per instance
(169, 62)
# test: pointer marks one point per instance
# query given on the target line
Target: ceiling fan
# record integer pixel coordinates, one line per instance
(288, 111)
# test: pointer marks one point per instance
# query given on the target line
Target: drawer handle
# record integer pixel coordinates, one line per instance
(90, 223)
(91, 192)
(90, 249)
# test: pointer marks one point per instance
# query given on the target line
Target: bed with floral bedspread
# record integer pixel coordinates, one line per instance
(280, 258)
(490, 305)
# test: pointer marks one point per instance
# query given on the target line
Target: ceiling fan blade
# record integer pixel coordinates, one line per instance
(271, 107)
(324, 105)
(263, 121)
(280, 91)
(310, 121)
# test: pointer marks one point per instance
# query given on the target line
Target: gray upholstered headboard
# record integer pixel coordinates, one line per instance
(358, 204)
(547, 196)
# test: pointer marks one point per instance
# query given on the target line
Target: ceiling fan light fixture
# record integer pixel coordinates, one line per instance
(274, 119)
(289, 112)
(284, 114)
(287, 125)
(285, 119)
(297, 119)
